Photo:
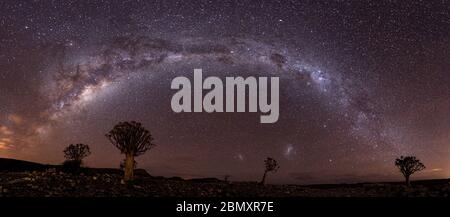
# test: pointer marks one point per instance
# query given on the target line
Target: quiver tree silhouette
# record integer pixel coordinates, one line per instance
(408, 165)
(132, 139)
(271, 166)
(76, 152)
(74, 155)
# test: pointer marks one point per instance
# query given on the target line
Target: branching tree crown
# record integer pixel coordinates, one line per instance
(409, 165)
(76, 152)
(271, 165)
(131, 138)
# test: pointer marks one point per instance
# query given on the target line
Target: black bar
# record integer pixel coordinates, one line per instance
(281, 206)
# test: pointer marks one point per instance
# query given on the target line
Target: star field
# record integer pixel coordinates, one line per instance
(361, 83)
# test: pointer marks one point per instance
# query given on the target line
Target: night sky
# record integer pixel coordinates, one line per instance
(361, 83)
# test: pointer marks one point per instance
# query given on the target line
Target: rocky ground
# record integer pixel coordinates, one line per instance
(54, 183)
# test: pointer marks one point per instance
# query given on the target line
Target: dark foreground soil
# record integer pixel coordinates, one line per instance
(54, 183)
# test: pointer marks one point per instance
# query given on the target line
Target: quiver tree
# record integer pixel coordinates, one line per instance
(132, 139)
(76, 153)
(271, 166)
(408, 165)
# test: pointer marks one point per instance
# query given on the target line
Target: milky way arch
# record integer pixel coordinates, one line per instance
(79, 77)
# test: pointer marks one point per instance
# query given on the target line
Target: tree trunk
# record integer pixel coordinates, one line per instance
(264, 178)
(129, 167)
(407, 181)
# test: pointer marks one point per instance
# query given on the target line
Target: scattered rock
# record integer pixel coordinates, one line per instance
(52, 183)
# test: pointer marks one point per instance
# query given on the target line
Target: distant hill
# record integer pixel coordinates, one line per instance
(13, 165)
(206, 180)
